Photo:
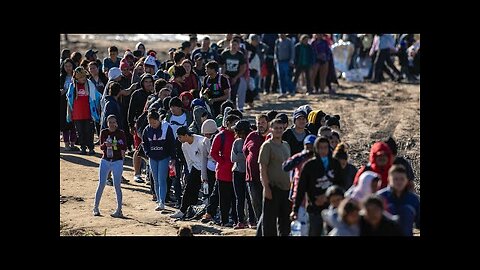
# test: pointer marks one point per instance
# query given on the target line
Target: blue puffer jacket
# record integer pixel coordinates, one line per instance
(407, 207)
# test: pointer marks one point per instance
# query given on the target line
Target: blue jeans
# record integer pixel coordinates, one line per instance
(116, 167)
(285, 77)
(159, 172)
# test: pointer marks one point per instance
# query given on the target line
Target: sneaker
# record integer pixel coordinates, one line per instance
(125, 181)
(117, 214)
(91, 152)
(138, 179)
(206, 218)
(178, 214)
(239, 225)
(252, 225)
(109, 182)
(160, 207)
(96, 212)
(74, 148)
(84, 152)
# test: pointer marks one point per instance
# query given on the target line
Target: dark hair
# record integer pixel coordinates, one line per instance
(76, 57)
(334, 190)
(347, 206)
(65, 53)
(112, 49)
(231, 118)
(179, 71)
(153, 115)
(183, 130)
(318, 140)
(159, 84)
(271, 115)
(187, 61)
(322, 128)
(62, 68)
(393, 145)
(93, 63)
(225, 104)
(84, 64)
(185, 230)
(336, 134)
(195, 93)
(397, 168)
(114, 88)
(340, 151)
(166, 103)
(236, 112)
(212, 65)
(260, 116)
(375, 200)
(277, 121)
(177, 56)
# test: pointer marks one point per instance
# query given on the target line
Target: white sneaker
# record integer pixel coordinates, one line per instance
(160, 206)
(178, 214)
(138, 179)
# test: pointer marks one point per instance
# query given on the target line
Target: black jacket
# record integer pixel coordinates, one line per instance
(387, 227)
(314, 180)
(137, 103)
(289, 137)
(111, 107)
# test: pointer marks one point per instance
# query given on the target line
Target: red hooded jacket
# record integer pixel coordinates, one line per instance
(372, 165)
(223, 170)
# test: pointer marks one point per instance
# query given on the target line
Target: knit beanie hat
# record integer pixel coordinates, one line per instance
(209, 127)
(114, 73)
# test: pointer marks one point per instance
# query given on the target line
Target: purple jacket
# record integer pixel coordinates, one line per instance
(321, 50)
(251, 149)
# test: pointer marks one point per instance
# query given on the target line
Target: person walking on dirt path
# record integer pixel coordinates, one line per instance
(158, 144)
(242, 129)
(295, 135)
(276, 184)
(234, 67)
(112, 61)
(380, 161)
(135, 109)
(317, 176)
(400, 201)
(113, 145)
(215, 88)
(251, 149)
(192, 150)
(83, 108)
(69, 133)
(221, 152)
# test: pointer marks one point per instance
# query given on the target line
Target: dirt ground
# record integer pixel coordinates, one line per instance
(369, 112)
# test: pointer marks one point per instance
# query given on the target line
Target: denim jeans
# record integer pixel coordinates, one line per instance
(116, 167)
(159, 172)
(255, 190)
(285, 77)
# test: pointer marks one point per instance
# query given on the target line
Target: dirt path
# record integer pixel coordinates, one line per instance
(368, 113)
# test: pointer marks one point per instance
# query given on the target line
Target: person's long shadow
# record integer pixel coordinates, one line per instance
(199, 229)
(131, 187)
(78, 160)
(349, 96)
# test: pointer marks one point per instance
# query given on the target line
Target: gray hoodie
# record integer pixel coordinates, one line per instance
(196, 125)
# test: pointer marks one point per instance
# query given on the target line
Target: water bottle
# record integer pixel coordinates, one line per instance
(114, 143)
(205, 188)
(109, 149)
(296, 228)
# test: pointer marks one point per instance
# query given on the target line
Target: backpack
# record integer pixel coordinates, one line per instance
(141, 123)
